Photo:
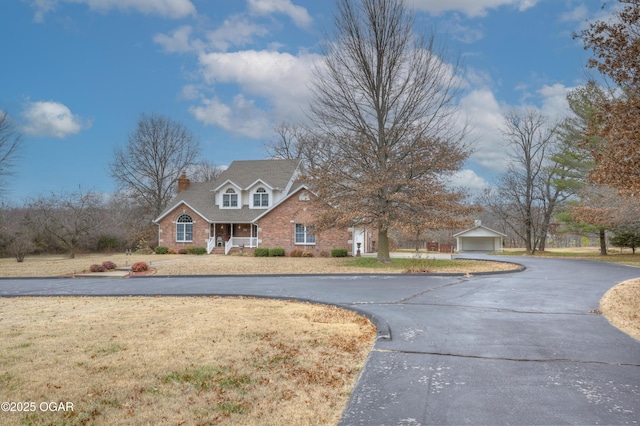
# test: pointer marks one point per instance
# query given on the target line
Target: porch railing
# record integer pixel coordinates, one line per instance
(249, 242)
(211, 244)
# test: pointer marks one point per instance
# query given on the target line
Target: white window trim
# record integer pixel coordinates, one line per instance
(229, 194)
(266, 192)
(184, 230)
(307, 228)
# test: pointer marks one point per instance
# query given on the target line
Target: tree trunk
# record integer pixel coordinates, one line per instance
(383, 246)
(529, 241)
(603, 242)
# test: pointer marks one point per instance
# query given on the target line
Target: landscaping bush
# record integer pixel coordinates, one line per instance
(139, 267)
(296, 253)
(339, 252)
(171, 251)
(196, 250)
(96, 268)
(307, 254)
(108, 243)
(109, 265)
(276, 252)
(261, 252)
(162, 250)
(182, 251)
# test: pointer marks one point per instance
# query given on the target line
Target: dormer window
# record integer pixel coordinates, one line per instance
(261, 198)
(230, 198)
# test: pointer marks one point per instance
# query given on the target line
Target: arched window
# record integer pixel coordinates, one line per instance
(261, 198)
(184, 229)
(230, 198)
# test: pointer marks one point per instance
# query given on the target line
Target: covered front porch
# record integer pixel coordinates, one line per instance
(232, 235)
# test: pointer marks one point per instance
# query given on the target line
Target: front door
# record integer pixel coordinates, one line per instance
(358, 237)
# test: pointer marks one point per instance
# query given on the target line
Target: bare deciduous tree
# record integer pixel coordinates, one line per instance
(69, 219)
(294, 141)
(157, 152)
(204, 171)
(384, 106)
(525, 196)
(9, 146)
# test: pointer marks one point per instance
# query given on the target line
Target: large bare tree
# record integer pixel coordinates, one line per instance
(9, 146)
(296, 141)
(527, 193)
(148, 167)
(384, 106)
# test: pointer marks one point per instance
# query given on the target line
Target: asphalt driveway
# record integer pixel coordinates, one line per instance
(516, 348)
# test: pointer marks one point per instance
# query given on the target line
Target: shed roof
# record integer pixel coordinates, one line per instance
(479, 231)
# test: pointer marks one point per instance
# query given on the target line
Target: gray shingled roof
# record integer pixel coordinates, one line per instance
(275, 173)
(200, 195)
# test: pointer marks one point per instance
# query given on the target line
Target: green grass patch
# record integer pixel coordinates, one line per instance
(405, 264)
(228, 408)
(207, 377)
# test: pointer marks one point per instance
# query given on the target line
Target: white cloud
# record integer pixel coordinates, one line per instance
(554, 101)
(242, 117)
(51, 119)
(485, 118)
(280, 79)
(577, 14)
(178, 42)
(235, 31)
(468, 179)
(471, 8)
(464, 33)
(173, 9)
(42, 7)
(298, 14)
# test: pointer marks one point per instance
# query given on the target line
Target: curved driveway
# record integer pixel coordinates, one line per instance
(516, 348)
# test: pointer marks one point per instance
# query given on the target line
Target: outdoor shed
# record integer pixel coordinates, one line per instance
(479, 238)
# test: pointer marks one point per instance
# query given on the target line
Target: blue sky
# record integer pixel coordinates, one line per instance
(77, 74)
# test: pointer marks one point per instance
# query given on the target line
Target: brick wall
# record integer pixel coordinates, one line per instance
(277, 228)
(167, 229)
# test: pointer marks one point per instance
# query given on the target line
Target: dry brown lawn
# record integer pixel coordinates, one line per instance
(621, 306)
(209, 360)
(35, 266)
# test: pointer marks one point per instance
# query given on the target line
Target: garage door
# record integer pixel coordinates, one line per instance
(477, 244)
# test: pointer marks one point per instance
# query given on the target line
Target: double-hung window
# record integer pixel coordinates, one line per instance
(261, 198)
(230, 198)
(184, 229)
(304, 234)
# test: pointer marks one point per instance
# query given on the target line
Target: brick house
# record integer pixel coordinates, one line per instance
(256, 203)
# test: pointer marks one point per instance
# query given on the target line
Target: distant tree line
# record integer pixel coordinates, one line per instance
(72, 222)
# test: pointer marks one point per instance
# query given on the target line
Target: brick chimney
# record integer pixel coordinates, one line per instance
(183, 183)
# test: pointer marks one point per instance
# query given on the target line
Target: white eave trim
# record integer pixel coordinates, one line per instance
(498, 234)
(228, 181)
(271, 188)
(175, 207)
